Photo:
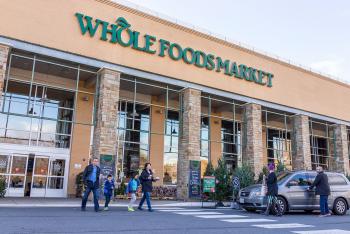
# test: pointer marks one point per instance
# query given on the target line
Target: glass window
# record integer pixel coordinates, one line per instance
(4, 164)
(336, 180)
(299, 180)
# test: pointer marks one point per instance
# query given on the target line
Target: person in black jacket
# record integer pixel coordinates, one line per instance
(146, 179)
(91, 178)
(272, 191)
(322, 189)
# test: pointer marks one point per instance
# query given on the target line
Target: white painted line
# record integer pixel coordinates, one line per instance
(283, 225)
(325, 231)
(198, 213)
(247, 220)
(220, 216)
(168, 208)
(183, 210)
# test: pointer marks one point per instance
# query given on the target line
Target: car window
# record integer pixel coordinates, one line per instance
(299, 180)
(311, 177)
(334, 179)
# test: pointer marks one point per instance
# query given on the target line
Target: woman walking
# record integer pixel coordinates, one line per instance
(146, 180)
(272, 191)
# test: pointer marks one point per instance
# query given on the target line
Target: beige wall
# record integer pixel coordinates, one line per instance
(215, 140)
(56, 27)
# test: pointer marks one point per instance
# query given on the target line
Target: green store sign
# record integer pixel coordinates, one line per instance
(121, 33)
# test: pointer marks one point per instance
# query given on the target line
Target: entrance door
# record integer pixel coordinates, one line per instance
(14, 168)
(56, 178)
(40, 176)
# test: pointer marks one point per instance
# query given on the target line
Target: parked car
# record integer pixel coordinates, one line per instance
(293, 193)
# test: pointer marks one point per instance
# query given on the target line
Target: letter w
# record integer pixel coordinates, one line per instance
(88, 26)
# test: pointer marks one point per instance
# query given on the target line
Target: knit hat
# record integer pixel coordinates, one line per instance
(271, 166)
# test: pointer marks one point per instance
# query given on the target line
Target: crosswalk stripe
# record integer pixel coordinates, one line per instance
(247, 220)
(168, 208)
(283, 225)
(223, 216)
(198, 213)
(325, 231)
(181, 210)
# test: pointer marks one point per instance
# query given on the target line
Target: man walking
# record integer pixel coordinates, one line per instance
(322, 189)
(272, 192)
(91, 178)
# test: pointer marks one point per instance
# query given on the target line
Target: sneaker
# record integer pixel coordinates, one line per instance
(139, 208)
(322, 215)
(150, 210)
(106, 209)
(131, 209)
(329, 214)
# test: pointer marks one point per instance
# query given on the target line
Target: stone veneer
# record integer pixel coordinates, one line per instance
(252, 154)
(189, 142)
(4, 54)
(340, 160)
(106, 116)
(301, 155)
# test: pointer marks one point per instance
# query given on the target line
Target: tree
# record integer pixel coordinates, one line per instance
(209, 170)
(223, 187)
(265, 171)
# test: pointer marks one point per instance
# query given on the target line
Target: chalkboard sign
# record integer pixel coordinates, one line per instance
(209, 184)
(107, 165)
(194, 179)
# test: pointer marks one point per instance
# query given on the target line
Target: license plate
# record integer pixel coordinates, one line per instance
(241, 200)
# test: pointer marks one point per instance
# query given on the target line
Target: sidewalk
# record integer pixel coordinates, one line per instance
(76, 202)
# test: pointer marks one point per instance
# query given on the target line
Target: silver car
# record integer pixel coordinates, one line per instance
(293, 193)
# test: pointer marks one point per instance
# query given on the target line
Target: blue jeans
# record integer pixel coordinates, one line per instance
(108, 199)
(324, 204)
(95, 191)
(146, 196)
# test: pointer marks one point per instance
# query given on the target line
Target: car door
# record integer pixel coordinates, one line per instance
(314, 200)
(298, 194)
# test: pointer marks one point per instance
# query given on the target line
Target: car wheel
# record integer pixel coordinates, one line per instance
(340, 207)
(250, 209)
(283, 205)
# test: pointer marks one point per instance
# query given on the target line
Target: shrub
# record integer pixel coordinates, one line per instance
(209, 170)
(121, 189)
(265, 171)
(79, 185)
(245, 175)
(2, 186)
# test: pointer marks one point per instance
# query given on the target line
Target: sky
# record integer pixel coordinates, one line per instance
(313, 33)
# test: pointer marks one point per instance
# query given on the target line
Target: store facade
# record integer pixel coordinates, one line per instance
(102, 79)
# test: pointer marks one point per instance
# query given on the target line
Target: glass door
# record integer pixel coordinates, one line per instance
(15, 173)
(56, 178)
(40, 176)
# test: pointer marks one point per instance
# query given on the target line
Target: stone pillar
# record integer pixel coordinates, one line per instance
(252, 138)
(301, 152)
(340, 158)
(189, 141)
(4, 54)
(106, 116)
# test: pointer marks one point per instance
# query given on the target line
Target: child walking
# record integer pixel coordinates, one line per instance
(108, 190)
(132, 188)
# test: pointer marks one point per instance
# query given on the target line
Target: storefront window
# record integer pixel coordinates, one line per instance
(277, 137)
(39, 100)
(321, 140)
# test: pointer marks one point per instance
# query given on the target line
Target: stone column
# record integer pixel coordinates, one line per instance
(340, 158)
(4, 54)
(189, 141)
(106, 116)
(252, 138)
(301, 152)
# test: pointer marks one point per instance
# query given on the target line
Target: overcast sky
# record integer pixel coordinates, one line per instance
(314, 33)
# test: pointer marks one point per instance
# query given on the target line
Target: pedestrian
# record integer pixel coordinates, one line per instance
(146, 180)
(132, 189)
(322, 189)
(91, 178)
(272, 191)
(108, 190)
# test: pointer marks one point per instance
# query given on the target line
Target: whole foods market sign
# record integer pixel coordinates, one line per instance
(120, 33)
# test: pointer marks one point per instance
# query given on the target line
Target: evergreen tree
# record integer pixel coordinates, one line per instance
(209, 170)
(223, 187)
